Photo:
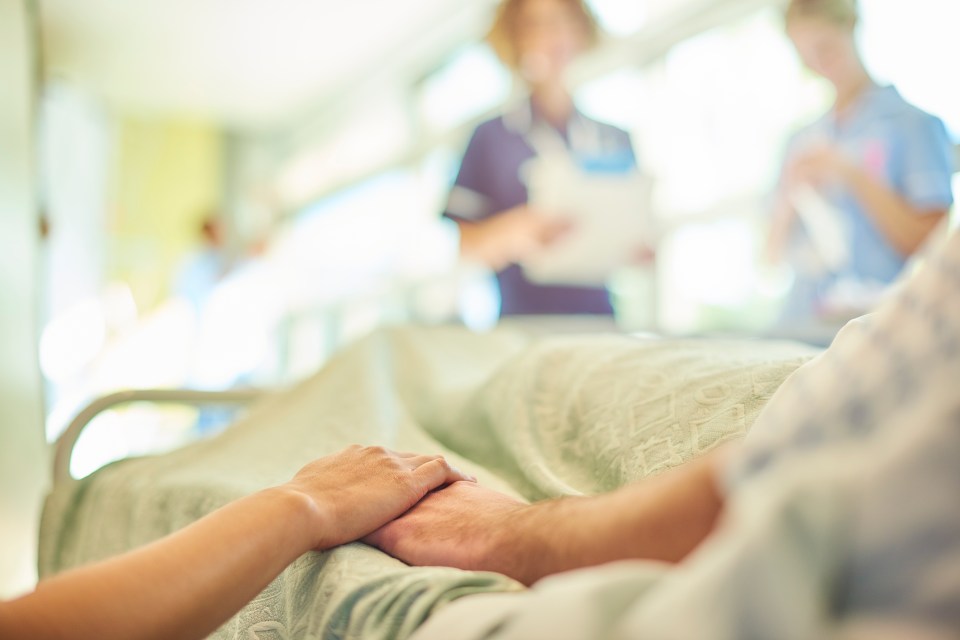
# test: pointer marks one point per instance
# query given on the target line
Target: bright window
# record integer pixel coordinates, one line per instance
(914, 46)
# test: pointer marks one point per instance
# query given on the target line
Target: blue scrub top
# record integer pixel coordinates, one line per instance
(490, 181)
(899, 144)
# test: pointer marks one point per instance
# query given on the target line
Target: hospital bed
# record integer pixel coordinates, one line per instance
(532, 415)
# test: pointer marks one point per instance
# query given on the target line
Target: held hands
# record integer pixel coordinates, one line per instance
(510, 236)
(350, 494)
(464, 526)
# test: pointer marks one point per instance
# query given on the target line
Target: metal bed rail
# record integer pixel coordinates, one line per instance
(65, 444)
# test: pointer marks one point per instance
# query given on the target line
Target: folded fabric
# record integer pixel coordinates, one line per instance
(529, 416)
(841, 519)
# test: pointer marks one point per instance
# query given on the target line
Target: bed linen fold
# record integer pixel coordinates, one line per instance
(531, 416)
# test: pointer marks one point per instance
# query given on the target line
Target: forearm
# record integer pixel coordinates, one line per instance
(487, 242)
(183, 586)
(187, 584)
(663, 518)
(904, 227)
(472, 242)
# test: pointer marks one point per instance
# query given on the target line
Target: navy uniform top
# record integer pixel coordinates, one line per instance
(490, 181)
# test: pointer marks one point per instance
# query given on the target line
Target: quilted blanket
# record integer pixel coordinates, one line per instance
(530, 415)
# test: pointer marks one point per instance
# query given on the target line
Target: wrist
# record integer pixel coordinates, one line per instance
(303, 517)
(538, 540)
(481, 243)
(472, 242)
(514, 545)
(852, 175)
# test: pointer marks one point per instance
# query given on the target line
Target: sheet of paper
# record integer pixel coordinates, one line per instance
(609, 217)
(824, 224)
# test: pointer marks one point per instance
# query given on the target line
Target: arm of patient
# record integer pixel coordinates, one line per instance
(187, 584)
(470, 527)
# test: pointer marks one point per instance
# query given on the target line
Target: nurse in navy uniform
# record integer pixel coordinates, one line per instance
(538, 39)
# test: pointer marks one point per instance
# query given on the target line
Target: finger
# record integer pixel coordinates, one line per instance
(374, 539)
(436, 473)
(382, 537)
(402, 455)
(420, 460)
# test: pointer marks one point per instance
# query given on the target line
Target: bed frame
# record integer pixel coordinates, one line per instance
(63, 449)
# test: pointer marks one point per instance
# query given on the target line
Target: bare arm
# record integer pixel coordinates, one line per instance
(470, 527)
(189, 583)
(903, 225)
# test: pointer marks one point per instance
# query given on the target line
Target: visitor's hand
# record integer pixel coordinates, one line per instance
(463, 526)
(352, 493)
(510, 236)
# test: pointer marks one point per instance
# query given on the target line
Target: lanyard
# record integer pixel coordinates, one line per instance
(583, 135)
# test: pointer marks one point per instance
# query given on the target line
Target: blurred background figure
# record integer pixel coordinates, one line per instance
(207, 265)
(538, 40)
(863, 186)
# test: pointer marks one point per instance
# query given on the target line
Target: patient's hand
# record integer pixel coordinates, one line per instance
(459, 526)
(470, 527)
(352, 493)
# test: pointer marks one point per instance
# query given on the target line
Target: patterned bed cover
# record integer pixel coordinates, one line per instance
(533, 416)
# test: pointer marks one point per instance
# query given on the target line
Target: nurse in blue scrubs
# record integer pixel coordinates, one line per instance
(882, 166)
(538, 39)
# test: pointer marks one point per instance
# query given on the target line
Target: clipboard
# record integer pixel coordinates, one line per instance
(609, 214)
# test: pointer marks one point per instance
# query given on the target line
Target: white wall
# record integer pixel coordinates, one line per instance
(73, 149)
(23, 457)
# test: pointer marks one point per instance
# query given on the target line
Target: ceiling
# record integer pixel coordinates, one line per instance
(253, 64)
(282, 65)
